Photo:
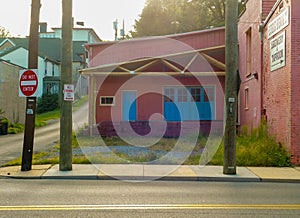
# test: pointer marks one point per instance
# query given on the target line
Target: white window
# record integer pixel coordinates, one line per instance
(107, 100)
(182, 95)
(249, 51)
(246, 98)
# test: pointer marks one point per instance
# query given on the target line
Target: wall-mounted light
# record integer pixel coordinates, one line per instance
(255, 75)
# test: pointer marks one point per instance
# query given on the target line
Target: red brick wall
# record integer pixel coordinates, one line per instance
(295, 82)
(277, 89)
(280, 88)
(267, 5)
(250, 116)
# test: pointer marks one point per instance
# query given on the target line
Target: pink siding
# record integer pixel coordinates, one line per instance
(150, 102)
(106, 53)
(150, 88)
(250, 21)
(149, 93)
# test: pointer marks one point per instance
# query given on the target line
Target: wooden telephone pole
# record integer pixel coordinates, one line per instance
(31, 101)
(65, 161)
(231, 55)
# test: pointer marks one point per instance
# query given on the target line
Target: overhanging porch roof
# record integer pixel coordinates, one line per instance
(143, 65)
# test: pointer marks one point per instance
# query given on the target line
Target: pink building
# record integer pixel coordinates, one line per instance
(269, 36)
(175, 81)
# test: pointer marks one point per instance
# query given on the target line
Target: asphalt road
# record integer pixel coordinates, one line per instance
(11, 146)
(86, 198)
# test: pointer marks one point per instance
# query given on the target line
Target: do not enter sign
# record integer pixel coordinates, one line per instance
(28, 83)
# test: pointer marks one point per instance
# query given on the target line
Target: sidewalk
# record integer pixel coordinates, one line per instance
(144, 172)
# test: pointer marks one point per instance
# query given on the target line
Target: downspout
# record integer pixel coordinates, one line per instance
(262, 75)
(1, 75)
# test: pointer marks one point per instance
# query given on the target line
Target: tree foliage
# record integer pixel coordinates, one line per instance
(4, 33)
(48, 102)
(162, 17)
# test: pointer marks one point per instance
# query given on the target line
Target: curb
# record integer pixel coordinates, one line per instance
(142, 178)
(150, 178)
(154, 173)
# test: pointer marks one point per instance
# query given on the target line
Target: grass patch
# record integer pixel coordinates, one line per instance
(256, 149)
(37, 159)
(78, 103)
(41, 119)
(15, 128)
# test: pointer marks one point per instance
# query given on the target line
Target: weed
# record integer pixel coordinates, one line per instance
(41, 119)
(256, 149)
(78, 103)
(15, 128)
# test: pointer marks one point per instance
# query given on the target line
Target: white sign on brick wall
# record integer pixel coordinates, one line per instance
(279, 23)
(277, 54)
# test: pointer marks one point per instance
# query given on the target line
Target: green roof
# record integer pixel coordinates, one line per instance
(49, 47)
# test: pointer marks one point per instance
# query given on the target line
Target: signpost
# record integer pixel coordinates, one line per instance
(29, 86)
(28, 83)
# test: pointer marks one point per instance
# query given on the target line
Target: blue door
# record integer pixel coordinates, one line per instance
(171, 111)
(189, 103)
(129, 106)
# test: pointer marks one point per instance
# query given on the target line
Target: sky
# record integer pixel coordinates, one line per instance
(96, 14)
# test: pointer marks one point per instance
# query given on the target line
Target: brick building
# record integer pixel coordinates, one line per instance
(269, 39)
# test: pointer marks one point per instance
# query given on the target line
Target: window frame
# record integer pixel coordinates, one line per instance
(246, 98)
(106, 104)
(249, 52)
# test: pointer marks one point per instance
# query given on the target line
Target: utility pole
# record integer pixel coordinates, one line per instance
(65, 161)
(31, 101)
(231, 56)
(122, 31)
(115, 26)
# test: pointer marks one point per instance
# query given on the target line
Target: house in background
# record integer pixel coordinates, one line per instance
(15, 50)
(10, 102)
(269, 37)
(176, 80)
(80, 33)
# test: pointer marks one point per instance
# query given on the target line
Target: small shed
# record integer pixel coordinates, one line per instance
(174, 82)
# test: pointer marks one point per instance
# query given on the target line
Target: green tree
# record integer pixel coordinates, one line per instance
(216, 12)
(156, 19)
(193, 16)
(4, 33)
(162, 17)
